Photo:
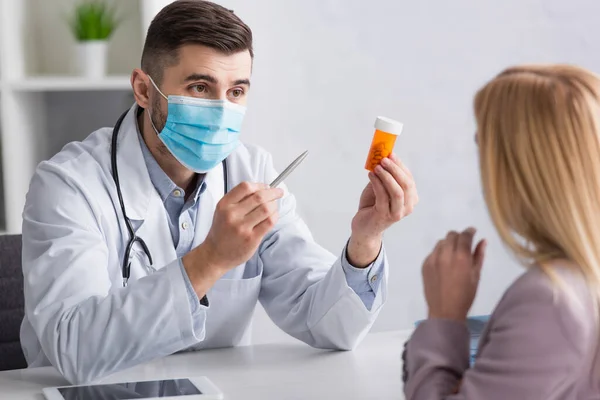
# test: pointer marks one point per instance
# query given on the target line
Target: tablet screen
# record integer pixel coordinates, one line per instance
(131, 390)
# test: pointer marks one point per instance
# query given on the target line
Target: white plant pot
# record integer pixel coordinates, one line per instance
(92, 58)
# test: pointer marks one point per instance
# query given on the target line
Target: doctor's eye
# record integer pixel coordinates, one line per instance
(237, 93)
(199, 88)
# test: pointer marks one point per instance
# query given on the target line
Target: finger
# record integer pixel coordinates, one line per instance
(426, 264)
(260, 213)
(402, 166)
(465, 240)
(382, 200)
(404, 177)
(451, 240)
(394, 191)
(266, 225)
(432, 256)
(437, 250)
(241, 191)
(430, 260)
(258, 198)
(479, 255)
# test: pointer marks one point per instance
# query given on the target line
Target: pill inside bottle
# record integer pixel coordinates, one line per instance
(384, 138)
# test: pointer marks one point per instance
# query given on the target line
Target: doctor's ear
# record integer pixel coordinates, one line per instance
(140, 83)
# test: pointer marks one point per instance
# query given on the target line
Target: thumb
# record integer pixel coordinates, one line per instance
(479, 255)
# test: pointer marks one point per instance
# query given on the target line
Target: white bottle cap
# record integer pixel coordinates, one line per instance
(388, 125)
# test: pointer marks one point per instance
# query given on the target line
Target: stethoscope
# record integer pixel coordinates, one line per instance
(133, 238)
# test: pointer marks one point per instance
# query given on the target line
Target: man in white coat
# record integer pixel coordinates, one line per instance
(161, 235)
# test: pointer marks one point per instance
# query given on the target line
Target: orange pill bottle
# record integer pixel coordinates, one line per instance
(384, 138)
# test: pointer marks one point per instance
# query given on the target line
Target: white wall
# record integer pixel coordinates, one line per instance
(325, 69)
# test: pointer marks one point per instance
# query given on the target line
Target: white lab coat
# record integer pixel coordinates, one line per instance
(80, 319)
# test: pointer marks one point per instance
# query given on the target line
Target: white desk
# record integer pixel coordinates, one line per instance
(273, 371)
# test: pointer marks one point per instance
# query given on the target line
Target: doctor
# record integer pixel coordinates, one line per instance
(160, 235)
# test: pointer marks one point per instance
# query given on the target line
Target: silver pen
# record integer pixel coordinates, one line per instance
(289, 169)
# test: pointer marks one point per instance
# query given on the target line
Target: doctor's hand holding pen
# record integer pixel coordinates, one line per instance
(241, 220)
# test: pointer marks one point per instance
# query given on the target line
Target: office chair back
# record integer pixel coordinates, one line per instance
(11, 303)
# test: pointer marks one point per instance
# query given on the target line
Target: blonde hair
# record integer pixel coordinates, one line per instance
(539, 147)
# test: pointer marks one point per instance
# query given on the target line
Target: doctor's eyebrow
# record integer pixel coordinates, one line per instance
(212, 79)
(242, 82)
(200, 77)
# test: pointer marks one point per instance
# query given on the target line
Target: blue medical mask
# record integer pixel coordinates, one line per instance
(200, 133)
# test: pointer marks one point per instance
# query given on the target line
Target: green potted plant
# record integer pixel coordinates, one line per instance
(92, 24)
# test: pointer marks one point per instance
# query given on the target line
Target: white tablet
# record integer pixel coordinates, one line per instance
(200, 388)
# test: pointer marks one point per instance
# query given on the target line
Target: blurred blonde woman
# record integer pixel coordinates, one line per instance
(539, 154)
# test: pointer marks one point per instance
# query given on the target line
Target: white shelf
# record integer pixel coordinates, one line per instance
(38, 94)
(69, 84)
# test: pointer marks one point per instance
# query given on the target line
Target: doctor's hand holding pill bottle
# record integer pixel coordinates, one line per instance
(241, 220)
(390, 195)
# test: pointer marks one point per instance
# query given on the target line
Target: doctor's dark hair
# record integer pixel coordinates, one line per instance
(196, 22)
